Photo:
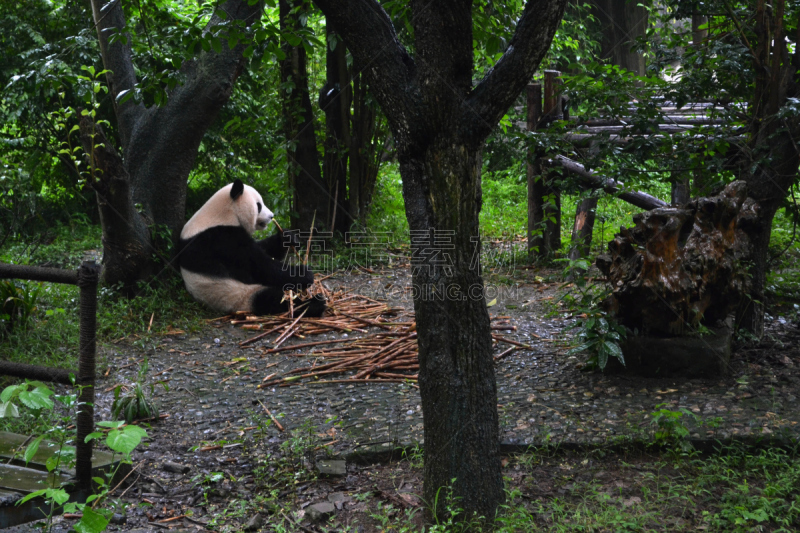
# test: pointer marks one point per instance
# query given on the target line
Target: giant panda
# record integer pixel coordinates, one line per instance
(225, 268)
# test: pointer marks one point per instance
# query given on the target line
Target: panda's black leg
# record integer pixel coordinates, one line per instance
(267, 301)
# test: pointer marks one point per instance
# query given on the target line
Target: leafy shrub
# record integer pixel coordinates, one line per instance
(17, 303)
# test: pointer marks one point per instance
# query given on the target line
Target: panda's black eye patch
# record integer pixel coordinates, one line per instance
(259, 206)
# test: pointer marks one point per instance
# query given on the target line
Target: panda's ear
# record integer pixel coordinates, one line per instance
(237, 189)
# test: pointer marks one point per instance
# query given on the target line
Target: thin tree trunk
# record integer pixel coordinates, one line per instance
(303, 170)
(621, 23)
(680, 190)
(364, 147)
(333, 100)
(582, 230)
(551, 208)
(535, 181)
(773, 145)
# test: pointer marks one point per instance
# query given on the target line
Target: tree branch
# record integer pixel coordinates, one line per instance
(109, 20)
(492, 97)
(164, 145)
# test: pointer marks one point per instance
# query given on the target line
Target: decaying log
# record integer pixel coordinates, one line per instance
(681, 267)
(593, 181)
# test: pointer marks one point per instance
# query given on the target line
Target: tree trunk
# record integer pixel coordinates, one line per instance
(534, 175)
(144, 198)
(125, 235)
(352, 138)
(621, 23)
(334, 101)
(366, 148)
(439, 120)
(582, 230)
(310, 194)
(680, 190)
(457, 383)
(774, 157)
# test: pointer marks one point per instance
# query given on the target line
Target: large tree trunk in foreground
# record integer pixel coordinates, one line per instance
(439, 121)
(457, 384)
(145, 197)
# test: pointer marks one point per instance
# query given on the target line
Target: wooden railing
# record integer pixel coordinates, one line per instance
(86, 278)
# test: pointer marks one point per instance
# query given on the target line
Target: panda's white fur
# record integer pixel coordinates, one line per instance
(222, 210)
(226, 269)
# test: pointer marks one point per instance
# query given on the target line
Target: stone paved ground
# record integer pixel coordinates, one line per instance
(543, 396)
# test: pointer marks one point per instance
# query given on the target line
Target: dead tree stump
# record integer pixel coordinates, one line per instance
(680, 267)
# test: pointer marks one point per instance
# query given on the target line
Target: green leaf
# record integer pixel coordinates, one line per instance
(8, 392)
(602, 359)
(60, 496)
(126, 440)
(614, 349)
(113, 424)
(91, 522)
(216, 44)
(32, 448)
(32, 495)
(38, 398)
(8, 410)
(93, 436)
(293, 39)
(583, 347)
(52, 462)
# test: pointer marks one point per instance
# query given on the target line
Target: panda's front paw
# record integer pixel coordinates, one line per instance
(316, 306)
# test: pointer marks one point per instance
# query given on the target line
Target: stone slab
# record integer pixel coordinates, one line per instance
(13, 442)
(700, 356)
(18, 479)
(332, 467)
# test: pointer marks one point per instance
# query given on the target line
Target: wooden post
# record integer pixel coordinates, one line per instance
(88, 275)
(552, 206)
(535, 183)
(681, 192)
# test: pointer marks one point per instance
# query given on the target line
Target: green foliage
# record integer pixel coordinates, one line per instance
(669, 427)
(505, 209)
(387, 213)
(36, 397)
(600, 337)
(134, 404)
(597, 333)
(17, 303)
(32, 394)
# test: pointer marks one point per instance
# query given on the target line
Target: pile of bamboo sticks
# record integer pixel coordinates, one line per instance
(388, 355)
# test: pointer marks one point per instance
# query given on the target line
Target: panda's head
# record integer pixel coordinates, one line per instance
(235, 204)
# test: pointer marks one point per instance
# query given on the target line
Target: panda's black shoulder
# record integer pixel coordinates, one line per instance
(203, 252)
